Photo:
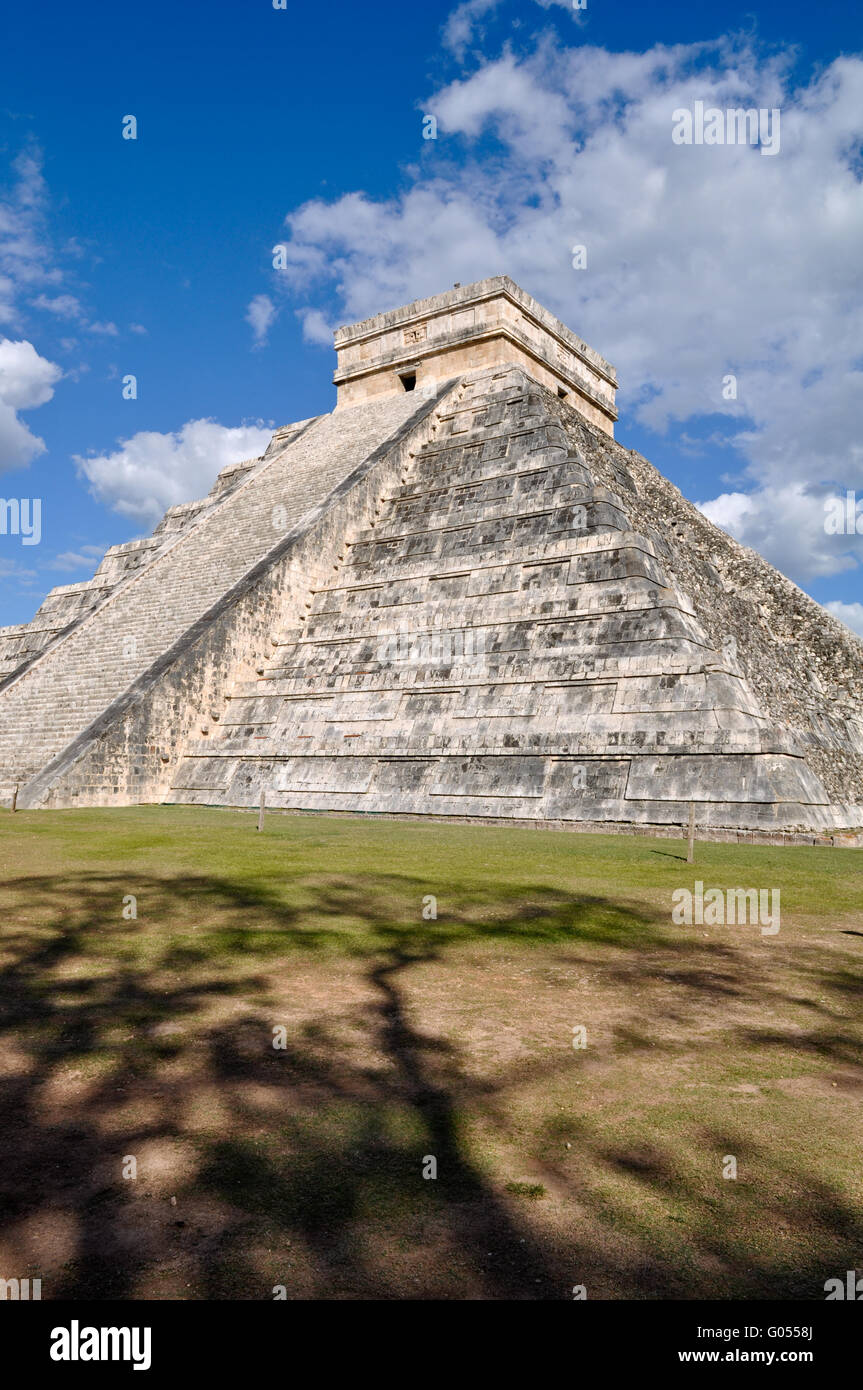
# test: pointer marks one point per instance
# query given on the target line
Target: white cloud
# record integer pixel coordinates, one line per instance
(260, 315)
(26, 381)
(85, 558)
(65, 306)
(788, 524)
(18, 445)
(151, 472)
(462, 24)
(463, 27)
(316, 327)
(702, 260)
(28, 261)
(25, 257)
(851, 614)
(11, 569)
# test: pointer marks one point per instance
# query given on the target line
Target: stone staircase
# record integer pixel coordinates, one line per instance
(67, 604)
(59, 694)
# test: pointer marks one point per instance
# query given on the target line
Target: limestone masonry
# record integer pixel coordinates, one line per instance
(454, 596)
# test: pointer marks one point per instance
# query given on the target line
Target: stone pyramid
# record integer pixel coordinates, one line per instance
(454, 596)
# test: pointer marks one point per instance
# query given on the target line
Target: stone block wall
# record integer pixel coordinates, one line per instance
(507, 642)
(490, 323)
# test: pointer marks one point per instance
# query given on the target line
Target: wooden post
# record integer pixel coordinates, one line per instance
(15, 799)
(690, 851)
(263, 808)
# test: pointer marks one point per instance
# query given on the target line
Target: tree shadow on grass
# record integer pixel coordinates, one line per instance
(302, 1166)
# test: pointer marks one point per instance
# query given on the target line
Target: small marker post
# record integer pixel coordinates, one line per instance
(262, 809)
(15, 799)
(690, 849)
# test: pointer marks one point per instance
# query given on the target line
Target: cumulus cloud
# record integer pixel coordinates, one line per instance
(260, 315)
(151, 472)
(789, 523)
(702, 261)
(26, 381)
(851, 614)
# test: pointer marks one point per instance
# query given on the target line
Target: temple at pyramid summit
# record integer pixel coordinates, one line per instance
(454, 596)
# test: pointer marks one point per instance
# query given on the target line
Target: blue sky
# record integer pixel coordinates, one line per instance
(154, 256)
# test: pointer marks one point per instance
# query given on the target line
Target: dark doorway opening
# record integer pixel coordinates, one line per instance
(408, 380)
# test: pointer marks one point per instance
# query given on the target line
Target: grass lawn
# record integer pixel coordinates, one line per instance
(409, 1038)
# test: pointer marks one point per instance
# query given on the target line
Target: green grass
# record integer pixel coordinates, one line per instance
(293, 846)
(410, 1036)
(533, 1190)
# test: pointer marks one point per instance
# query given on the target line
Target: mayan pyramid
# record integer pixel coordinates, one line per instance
(455, 596)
